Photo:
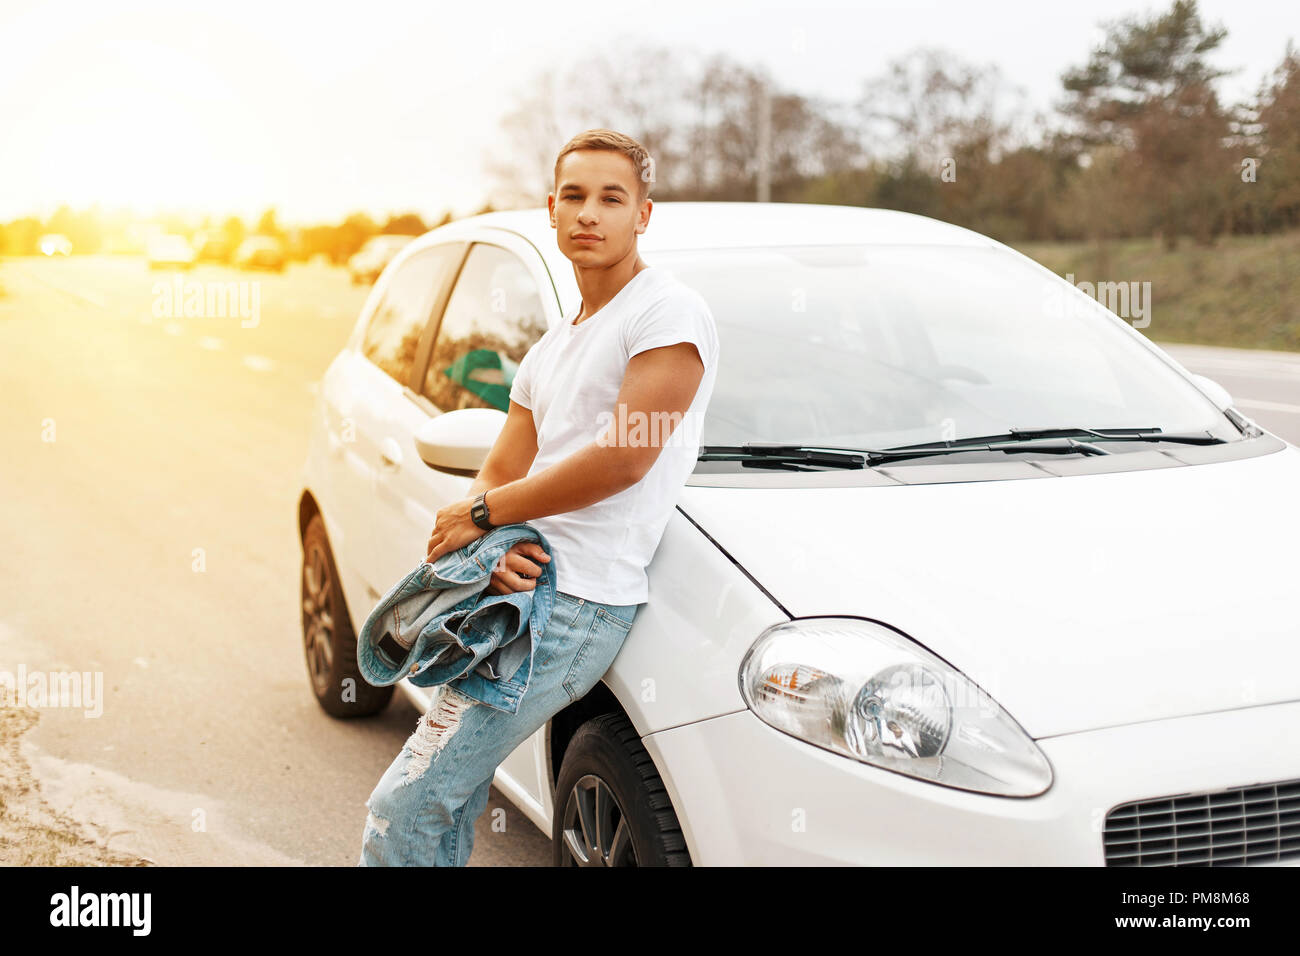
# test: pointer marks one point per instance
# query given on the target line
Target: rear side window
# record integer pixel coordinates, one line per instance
(393, 333)
(492, 319)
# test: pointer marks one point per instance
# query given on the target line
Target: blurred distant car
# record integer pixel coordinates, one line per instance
(260, 252)
(170, 252)
(370, 260)
(55, 244)
(210, 247)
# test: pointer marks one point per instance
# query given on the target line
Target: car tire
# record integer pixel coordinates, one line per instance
(329, 643)
(607, 775)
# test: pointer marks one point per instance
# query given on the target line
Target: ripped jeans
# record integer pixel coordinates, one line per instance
(423, 809)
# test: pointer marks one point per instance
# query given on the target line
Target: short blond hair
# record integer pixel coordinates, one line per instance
(619, 142)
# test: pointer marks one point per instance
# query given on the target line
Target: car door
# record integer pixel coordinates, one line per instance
(492, 315)
(500, 306)
(388, 512)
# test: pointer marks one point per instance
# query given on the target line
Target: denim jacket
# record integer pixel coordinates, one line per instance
(438, 624)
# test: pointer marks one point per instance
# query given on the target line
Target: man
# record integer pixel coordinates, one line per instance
(602, 431)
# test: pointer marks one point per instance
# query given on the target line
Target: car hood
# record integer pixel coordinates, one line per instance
(1077, 602)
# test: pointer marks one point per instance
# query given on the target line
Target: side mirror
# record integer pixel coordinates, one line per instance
(1213, 391)
(459, 441)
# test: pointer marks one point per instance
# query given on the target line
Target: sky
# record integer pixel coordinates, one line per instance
(323, 109)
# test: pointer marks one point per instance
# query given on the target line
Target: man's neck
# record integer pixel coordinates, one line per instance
(599, 286)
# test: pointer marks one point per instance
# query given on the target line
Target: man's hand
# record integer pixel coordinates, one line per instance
(518, 568)
(452, 528)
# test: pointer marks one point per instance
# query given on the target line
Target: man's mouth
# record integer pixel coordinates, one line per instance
(586, 238)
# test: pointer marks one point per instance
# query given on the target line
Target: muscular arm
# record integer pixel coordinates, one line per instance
(662, 380)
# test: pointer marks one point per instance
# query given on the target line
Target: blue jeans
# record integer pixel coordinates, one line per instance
(423, 809)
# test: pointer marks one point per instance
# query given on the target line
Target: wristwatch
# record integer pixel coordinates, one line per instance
(479, 512)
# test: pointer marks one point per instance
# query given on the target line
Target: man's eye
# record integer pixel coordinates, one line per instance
(613, 198)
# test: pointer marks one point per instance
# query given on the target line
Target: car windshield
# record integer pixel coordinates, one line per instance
(879, 346)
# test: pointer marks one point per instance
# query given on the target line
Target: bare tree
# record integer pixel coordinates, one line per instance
(928, 104)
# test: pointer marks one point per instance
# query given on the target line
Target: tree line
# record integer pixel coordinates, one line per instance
(1138, 143)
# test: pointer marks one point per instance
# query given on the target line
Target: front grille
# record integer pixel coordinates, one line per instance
(1236, 827)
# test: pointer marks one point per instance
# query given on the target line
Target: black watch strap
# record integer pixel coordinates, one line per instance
(479, 512)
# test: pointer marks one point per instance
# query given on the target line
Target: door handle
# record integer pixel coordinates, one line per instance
(390, 452)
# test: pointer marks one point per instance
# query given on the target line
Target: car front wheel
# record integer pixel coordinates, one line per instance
(329, 642)
(611, 808)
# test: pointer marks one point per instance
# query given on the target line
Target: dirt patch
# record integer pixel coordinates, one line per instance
(32, 833)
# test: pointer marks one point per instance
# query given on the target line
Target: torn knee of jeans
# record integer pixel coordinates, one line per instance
(377, 824)
(435, 729)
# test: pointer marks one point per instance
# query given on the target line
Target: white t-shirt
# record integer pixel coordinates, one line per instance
(570, 379)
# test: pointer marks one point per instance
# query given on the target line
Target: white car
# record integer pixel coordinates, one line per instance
(904, 612)
(55, 244)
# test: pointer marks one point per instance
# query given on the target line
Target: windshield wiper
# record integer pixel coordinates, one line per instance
(1097, 434)
(1047, 446)
(776, 455)
(1050, 441)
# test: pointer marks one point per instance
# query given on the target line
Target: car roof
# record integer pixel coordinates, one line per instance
(680, 226)
(719, 225)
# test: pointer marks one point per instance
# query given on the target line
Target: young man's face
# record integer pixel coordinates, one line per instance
(597, 196)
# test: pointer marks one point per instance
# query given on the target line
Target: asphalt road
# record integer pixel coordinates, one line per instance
(150, 480)
(172, 434)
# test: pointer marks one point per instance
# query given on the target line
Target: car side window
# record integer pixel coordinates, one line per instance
(494, 316)
(392, 335)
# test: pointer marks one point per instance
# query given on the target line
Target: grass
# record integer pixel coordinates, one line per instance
(1239, 292)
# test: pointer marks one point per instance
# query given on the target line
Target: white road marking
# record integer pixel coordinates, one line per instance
(1267, 406)
(211, 343)
(259, 363)
(1261, 373)
(1253, 368)
(173, 328)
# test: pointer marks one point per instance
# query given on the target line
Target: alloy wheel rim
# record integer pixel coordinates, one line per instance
(317, 621)
(596, 831)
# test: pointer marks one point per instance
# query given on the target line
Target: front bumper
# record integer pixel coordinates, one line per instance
(748, 794)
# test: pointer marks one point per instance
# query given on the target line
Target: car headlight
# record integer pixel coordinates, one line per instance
(863, 690)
